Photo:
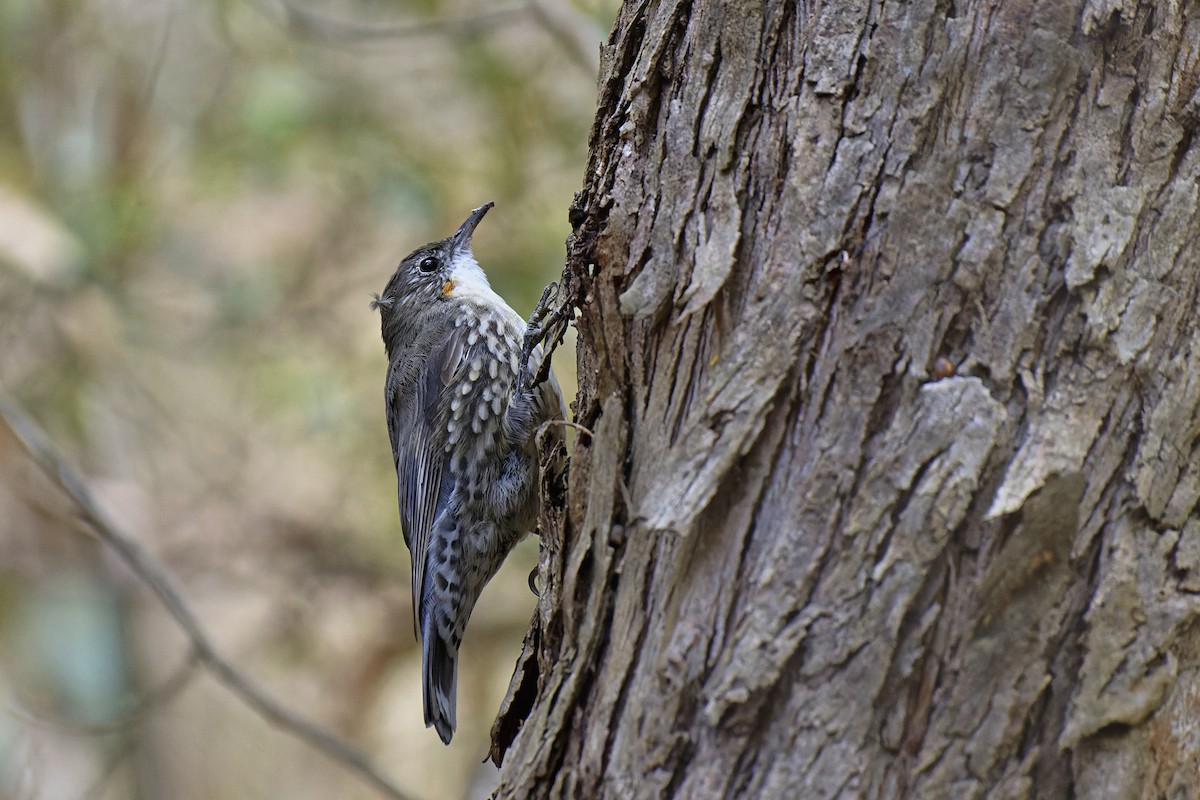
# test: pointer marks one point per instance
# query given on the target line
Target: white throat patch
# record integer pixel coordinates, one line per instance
(471, 284)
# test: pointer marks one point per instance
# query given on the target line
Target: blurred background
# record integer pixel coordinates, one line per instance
(197, 199)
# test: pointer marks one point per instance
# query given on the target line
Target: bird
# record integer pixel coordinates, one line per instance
(463, 411)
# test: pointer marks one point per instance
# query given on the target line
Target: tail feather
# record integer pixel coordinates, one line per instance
(439, 673)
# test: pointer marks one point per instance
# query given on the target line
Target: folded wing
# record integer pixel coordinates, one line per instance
(416, 422)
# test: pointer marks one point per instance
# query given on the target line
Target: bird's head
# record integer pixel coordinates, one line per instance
(433, 273)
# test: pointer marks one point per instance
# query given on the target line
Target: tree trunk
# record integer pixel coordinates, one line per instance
(888, 346)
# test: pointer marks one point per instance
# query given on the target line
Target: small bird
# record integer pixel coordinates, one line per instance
(462, 421)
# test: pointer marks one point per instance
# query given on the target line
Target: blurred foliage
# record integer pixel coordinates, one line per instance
(197, 200)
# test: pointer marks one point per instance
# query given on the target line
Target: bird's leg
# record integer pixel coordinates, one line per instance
(547, 323)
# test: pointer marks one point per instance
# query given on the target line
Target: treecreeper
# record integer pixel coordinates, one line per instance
(468, 388)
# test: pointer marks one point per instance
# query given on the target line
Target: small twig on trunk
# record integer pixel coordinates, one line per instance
(156, 577)
(545, 426)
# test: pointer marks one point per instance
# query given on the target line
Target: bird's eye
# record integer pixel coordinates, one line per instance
(428, 264)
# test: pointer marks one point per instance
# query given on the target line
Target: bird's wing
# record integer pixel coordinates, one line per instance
(416, 424)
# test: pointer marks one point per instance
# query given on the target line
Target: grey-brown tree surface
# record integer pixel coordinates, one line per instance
(889, 345)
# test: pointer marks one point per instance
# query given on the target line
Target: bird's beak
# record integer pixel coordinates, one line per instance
(462, 239)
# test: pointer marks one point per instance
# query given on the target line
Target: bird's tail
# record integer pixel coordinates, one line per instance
(439, 675)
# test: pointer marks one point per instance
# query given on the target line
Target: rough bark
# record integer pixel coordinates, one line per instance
(796, 560)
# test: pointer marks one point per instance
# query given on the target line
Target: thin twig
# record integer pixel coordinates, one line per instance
(545, 426)
(156, 577)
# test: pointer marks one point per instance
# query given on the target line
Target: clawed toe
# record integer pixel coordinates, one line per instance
(545, 323)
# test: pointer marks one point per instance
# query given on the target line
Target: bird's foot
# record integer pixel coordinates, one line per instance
(547, 323)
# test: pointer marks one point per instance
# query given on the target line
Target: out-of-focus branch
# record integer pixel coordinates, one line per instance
(566, 26)
(571, 30)
(307, 24)
(156, 577)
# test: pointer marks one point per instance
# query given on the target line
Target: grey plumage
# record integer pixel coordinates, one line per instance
(462, 439)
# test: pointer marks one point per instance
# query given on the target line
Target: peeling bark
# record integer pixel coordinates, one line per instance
(793, 561)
